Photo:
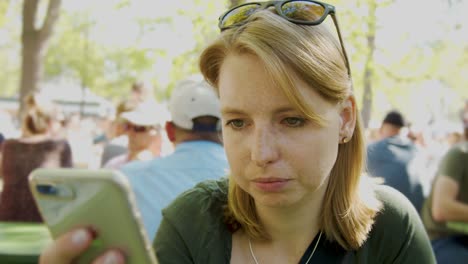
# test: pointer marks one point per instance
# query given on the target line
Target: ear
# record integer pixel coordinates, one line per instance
(170, 130)
(348, 115)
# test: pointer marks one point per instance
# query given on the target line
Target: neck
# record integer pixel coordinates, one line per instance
(291, 228)
(387, 130)
(141, 155)
(185, 136)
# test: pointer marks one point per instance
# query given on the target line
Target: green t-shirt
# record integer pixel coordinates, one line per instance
(193, 231)
(454, 165)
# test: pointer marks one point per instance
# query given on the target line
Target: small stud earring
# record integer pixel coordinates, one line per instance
(345, 140)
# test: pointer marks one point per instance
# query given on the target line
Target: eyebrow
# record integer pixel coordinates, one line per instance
(235, 111)
(232, 111)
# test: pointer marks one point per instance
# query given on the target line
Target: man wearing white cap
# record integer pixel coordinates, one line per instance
(143, 127)
(199, 154)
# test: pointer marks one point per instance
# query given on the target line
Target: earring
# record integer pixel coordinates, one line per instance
(344, 140)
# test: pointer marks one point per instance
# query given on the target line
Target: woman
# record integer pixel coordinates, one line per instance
(143, 129)
(447, 204)
(38, 147)
(295, 146)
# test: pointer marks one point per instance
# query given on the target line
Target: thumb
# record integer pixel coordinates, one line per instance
(67, 247)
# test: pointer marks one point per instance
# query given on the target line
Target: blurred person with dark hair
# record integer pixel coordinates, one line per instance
(448, 202)
(390, 157)
(143, 127)
(39, 146)
(199, 154)
(142, 91)
(42, 117)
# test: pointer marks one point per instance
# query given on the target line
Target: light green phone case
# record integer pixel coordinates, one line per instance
(100, 199)
(458, 226)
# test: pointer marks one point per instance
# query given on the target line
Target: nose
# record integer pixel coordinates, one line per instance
(264, 148)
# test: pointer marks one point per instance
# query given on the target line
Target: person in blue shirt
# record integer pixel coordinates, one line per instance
(391, 156)
(198, 155)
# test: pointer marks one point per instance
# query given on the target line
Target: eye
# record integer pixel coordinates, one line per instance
(236, 123)
(294, 121)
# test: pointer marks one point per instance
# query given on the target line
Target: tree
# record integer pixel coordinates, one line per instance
(34, 44)
(368, 68)
(9, 48)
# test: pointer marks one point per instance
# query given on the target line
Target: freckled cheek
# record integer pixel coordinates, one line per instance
(313, 158)
(237, 155)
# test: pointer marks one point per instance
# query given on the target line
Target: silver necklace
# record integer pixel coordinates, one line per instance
(307, 262)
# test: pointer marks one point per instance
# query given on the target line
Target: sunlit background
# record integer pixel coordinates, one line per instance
(419, 64)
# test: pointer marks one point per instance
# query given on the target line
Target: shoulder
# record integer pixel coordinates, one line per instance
(201, 146)
(378, 145)
(9, 146)
(457, 151)
(142, 167)
(10, 142)
(395, 204)
(198, 208)
(116, 162)
(206, 196)
(398, 233)
(192, 229)
(455, 157)
(136, 165)
(453, 164)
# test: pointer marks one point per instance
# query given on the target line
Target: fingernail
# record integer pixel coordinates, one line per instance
(110, 258)
(79, 237)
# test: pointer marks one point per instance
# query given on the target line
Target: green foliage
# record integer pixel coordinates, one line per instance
(109, 70)
(402, 66)
(9, 48)
(163, 45)
(204, 16)
(3, 10)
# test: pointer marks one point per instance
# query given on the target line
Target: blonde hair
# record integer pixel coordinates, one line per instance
(312, 54)
(39, 113)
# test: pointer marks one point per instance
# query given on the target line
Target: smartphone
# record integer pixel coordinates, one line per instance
(98, 199)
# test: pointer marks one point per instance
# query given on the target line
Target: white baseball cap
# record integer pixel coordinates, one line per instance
(147, 114)
(191, 99)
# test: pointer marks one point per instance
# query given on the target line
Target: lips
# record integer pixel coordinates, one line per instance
(271, 184)
(266, 180)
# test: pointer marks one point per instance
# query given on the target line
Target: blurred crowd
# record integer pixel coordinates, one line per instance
(135, 131)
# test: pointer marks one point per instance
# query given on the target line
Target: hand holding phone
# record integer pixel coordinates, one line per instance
(69, 246)
(98, 200)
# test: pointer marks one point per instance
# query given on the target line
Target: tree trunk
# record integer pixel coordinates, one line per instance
(369, 64)
(34, 45)
(31, 68)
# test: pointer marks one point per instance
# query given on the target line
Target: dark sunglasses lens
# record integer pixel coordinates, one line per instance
(140, 129)
(303, 11)
(238, 15)
(136, 129)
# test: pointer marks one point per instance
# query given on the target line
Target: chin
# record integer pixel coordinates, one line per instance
(273, 200)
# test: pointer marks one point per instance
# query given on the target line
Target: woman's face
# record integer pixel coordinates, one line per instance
(276, 154)
(142, 138)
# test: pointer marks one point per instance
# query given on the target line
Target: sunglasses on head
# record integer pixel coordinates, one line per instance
(137, 129)
(302, 12)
